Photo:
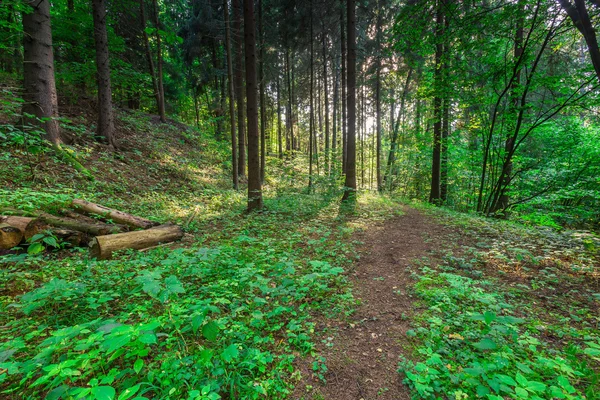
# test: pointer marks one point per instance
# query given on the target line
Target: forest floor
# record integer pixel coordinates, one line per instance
(392, 301)
(363, 352)
(360, 357)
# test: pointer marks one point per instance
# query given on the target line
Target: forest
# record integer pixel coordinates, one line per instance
(304, 199)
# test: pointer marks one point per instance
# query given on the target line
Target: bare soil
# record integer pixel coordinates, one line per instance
(363, 351)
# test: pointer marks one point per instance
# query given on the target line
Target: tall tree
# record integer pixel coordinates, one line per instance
(230, 91)
(435, 195)
(255, 201)
(106, 124)
(263, 101)
(159, 62)
(239, 85)
(344, 98)
(40, 95)
(311, 123)
(150, 59)
(350, 182)
(378, 103)
(325, 100)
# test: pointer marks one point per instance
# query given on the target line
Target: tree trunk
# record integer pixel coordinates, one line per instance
(378, 105)
(435, 195)
(161, 90)
(149, 56)
(279, 133)
(263, 104)
(350, 182)
(38, 70)
(106, 125)
(102, 247)
(254, 183)
(239, 85)
(344, 98)
(289, 116)
(112, 214)
(234, 157)
(334, 138)
(325, 101)
(311, 122)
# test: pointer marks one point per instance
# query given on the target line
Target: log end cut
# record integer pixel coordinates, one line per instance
(10, 236)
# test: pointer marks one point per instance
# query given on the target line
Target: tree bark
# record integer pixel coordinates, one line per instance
(279, 133)
(161, 90)
(239, 85)
(378, 105)
(254, 183)
(343, 73)
(263, 104)
(106, 125)
(40, 95)
(112, 214)
(149, 57)
(311, 123)
(350, 182)
(102, 247)
(326, 102)
(234, 156)
(435, 195)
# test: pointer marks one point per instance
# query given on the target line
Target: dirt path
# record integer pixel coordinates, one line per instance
(363, 361)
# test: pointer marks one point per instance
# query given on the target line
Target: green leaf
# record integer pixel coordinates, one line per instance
(486, 344)
(197, 322)
(129, 392)
(489, 317)
(35, 248)
(148, 338)
(103, 393)
(138, 365)
(210, 331)
(536, 387)
(230, 353)
(113, 343)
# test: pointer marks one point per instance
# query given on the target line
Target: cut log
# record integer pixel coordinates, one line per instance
(95, 229)
(89, 220)
(9, 236)
(17, 222)
(112, 214)
(74, 238)
(34, 227)
(102, 247)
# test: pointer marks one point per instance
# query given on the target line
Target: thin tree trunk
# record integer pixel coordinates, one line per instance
(40, 95)
(290, 145)
(344, 98)
(230, 91)
(279, 134)
(378, 105)
(350, 182)
(311, 122)
(106, 125)
(239, 85)
(326, 101)
(161, 91)
(149, 55)
(334, 138)
(255, 201)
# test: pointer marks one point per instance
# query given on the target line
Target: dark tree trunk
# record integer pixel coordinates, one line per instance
(159, 61)
(106, 124)
(434, 195)
(254, 185)
(290, 116)
(334, 138)
(350, 183)
(261, 78)
(38, 70)
(279, 133)
(311, 124)
(149, 55)
(239, 85)
(326, 101)
(234, 158)
(344, 98)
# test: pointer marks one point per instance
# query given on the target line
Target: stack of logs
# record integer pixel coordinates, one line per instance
(77, 228)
